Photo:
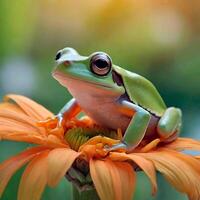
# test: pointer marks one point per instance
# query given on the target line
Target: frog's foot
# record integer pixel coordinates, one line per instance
(52, 122)
(117, 147)
(169, 124)
(60, 119)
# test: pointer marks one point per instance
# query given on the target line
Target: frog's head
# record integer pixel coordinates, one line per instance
(95, 70)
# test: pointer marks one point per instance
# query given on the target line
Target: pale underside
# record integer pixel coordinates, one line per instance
(100, 104)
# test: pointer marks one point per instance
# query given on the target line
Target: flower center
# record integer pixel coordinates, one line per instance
(78, 136)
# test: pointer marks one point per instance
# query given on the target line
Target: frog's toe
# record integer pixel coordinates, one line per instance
(60, 119)
(47, 123)
(120, 146)
(52, 122)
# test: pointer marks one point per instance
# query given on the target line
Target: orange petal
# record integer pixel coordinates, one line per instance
(182, 171)
(184, 144)
(113, 180)
(10, 106)
(17, 121)
(197, 157)
(20, 127)
(23, 137)
(124, 189)
(34, 178)
(102, 179)
(148, 167)
(51, 141)
(10, 166)
(30, 107)
(59, 161)
(145, 164)
(153, 144)
(55, 142)
(14, 124)
(10, 119)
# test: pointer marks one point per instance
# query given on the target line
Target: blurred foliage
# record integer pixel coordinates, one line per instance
(155, 38)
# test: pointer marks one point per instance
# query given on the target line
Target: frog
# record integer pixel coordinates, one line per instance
(114, 97)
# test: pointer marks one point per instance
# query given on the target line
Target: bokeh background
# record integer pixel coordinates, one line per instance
(156, 38)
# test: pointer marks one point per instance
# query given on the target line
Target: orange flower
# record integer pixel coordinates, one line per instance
(59, 150)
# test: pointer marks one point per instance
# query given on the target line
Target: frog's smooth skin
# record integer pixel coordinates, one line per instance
(114, 98)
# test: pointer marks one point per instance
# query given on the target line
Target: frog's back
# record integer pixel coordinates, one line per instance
(142, 92)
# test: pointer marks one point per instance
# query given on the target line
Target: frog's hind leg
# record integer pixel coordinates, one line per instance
(169, 124)
(136, 129)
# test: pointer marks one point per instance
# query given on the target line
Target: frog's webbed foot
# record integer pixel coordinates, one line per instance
(169, 124)
(60, 119)
(70, 110)
(52, 122)
(120, 146)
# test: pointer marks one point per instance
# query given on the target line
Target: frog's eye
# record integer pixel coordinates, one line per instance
(100, 64)
(58, 55)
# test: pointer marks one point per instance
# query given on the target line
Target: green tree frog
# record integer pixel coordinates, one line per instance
(114, 98)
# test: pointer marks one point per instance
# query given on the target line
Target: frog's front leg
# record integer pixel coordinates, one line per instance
(169, 124)
(136, 129)
(70, 110)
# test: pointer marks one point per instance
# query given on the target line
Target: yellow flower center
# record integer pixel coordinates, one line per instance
(78, 136)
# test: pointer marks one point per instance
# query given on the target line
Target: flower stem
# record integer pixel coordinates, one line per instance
(84, 195)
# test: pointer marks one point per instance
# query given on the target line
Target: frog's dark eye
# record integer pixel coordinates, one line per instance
(58, 55)
(100, 64)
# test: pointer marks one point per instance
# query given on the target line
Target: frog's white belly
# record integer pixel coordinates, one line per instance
(98, 103)
(106, 115)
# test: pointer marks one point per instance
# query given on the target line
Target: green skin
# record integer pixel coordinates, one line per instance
(99, 96)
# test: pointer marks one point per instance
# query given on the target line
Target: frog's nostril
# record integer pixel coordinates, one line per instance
(58, 55)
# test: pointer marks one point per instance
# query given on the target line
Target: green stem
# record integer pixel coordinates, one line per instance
(85, 195)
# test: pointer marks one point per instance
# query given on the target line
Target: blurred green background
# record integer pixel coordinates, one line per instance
(157, 39)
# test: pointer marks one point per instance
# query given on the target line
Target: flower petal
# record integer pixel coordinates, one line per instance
(146, 165)
(184, 144)
(182, 171)
(59, 161)
(124, 189)
(10, 166)
(34, 178)
(10, 106)
(23, 137)
(30, 107)
(102, 179)
(17, 126)
(113, 180)
(12, 120)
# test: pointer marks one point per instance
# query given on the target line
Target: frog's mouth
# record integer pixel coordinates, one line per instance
(63, 78)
